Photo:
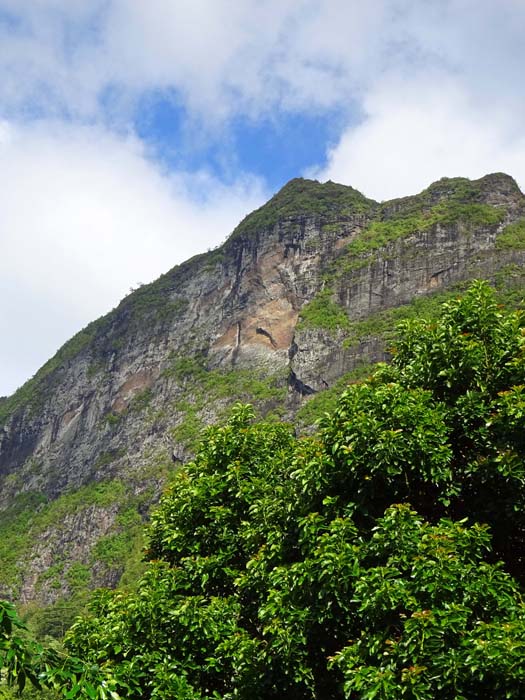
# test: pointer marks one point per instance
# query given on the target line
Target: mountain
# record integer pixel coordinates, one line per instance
(301, 298)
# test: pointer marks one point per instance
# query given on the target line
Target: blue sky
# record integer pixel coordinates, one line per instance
(134, 135)
(276, 147)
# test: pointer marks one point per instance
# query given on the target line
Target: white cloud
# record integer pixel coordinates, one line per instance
(83, 216)
(222, 58)
(451, 102)
(417, 132)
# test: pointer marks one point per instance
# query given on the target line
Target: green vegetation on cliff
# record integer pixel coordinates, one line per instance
(449, 202)
(219, 386)
(512, 237)
(31, 515)
(380, 233)
(302, 198)
(323, 312)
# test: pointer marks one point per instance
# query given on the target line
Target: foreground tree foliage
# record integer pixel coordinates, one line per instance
(45, 672)
(380, 559)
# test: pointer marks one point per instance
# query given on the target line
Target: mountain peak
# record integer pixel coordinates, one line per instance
(493, 185)
(302, 197)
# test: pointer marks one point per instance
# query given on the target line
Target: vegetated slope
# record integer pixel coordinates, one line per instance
(371, 560)
(303, 294)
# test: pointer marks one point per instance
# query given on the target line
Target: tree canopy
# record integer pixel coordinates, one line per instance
(380, 558)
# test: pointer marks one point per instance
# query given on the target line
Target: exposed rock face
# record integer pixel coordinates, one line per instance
(119, 397)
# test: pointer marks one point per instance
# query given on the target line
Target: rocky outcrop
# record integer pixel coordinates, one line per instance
(118, 402)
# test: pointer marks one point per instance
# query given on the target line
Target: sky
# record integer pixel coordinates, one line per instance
(136, 134)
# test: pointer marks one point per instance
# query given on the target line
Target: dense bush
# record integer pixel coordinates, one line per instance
(357, 563)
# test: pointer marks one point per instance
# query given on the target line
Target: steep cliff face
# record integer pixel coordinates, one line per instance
(302, 293)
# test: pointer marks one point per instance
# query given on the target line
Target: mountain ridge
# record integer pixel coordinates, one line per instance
(276, 314)
(251, 224)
